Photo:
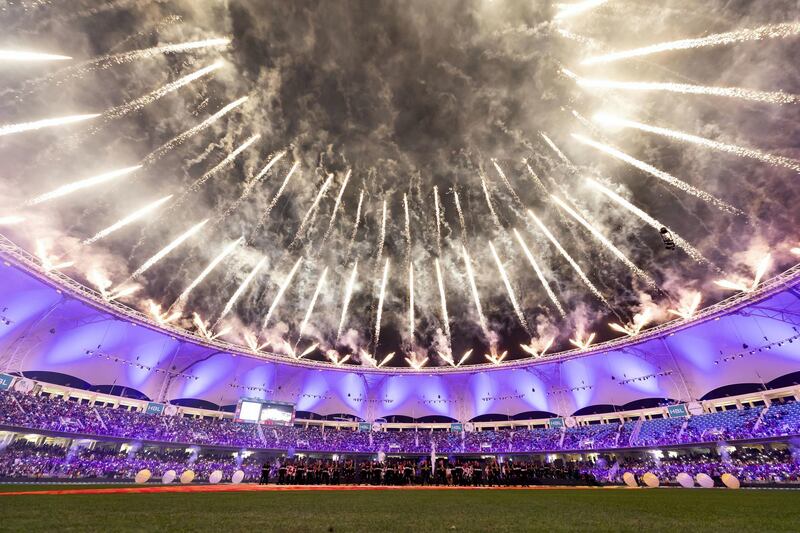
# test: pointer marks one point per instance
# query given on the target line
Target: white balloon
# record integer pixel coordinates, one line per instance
(629, 479)
(215, 477)
(237, 477)
(168, 477)
(143, 476)
(685, 480)
(730, 481)
(187, 476)
(704, 480)
(651, 480)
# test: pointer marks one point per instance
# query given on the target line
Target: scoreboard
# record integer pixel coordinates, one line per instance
(264, 412)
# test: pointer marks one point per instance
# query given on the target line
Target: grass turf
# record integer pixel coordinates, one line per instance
(672, 510)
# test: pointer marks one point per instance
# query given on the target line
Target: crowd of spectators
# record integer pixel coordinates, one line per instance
(37, 412)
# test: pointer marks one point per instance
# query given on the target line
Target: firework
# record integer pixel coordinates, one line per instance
(581, 342)
(509, 289)
(313, 208)
(437, 209)
(133, 217)
(416, 361)
(48, 261)
(474, 289)
(158, 316)
(336, 205)
(569, 259)
(181, 138)
(411, 301)
(535, 179)
(82, 184)
(494, 358)
(184, 297)
(127, 57)
(442, 300)
(139, 103)
(487, 195)
(506, 182)
(313, 302)
(761, 269)
(537, 353)
(460, 215)
(382, 238)
(381, 295)
(660, 174)
(205, 329)
(265, 215)
(776, 160)
(355, 223)
(281, 290)
(605, 242)
(248, 188)
(29, 57)
(540, 275)
(372, 361)
(230, 158)
(240, 290)
(407, 227)
(768, 97)
(8, 129)
(770, 31)
(167, 250)
(653, 223)
(570, 10)
(348, 294)
(687, 310)
(553, 147)
(11, 220)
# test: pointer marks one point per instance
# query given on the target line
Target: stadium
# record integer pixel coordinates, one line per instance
(390, 265)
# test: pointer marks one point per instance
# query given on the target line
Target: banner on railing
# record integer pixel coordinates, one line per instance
(6, 381)
(677, 411)
(154, 408)
(556, 423)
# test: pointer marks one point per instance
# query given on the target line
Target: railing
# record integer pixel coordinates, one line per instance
(60, 281)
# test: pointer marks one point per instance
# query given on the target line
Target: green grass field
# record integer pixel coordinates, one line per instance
(673, 510)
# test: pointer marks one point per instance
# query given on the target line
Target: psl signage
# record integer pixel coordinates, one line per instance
(556, 423)
(6, 381)
(677, 411)
(154, 408)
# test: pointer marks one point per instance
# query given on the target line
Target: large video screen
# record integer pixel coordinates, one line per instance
(264, 412)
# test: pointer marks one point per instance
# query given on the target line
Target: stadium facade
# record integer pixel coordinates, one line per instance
(52, 326)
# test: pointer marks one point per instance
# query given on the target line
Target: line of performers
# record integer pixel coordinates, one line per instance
(410, 472)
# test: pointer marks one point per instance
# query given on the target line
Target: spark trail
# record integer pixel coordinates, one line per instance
(487, 195)
(442, 300)
(139, 103)
(650, 221)
(752, 95)
(355, 223)
(474, 289)
(248, 189)
(240, 290)
(507, 183)
(311, 305)
(509, 289)
(29, 57)
(107, 61)
(536, 180)
(569, 259)
(180, 139)
(460, 215)
(407, 227)
(348, 294)
(770, 31)
(382, 238)
(437, 208)
(540, 275)
(605, 242)
(166, 251)
(9, 129)
(281, 290)
(381, 296)
(411, 320)
(184, 296)
(313, 208)
(336, 205)
(130, 219)
(265, 215)
(660, 174)
(553, 147)
(82, 184)
(775, 160)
